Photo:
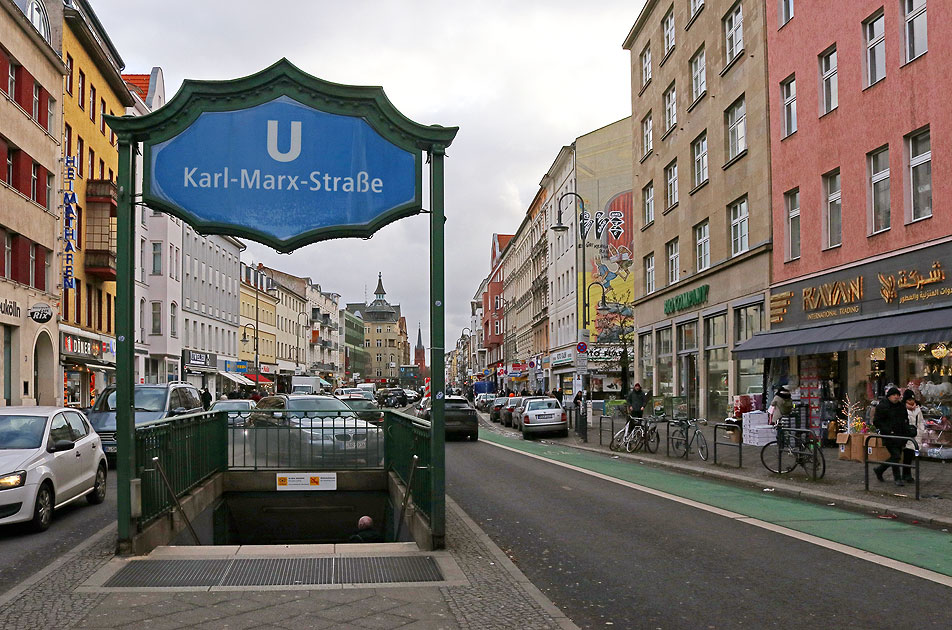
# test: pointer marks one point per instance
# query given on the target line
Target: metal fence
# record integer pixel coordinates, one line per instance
(273, 439)
(407, 436)
(190, 447)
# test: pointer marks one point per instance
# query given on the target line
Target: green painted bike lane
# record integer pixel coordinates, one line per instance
(915, 545)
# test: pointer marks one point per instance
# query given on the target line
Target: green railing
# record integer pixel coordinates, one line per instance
(190, 448)
(407, 436)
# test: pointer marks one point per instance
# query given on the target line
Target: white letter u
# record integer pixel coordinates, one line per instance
(294, 151)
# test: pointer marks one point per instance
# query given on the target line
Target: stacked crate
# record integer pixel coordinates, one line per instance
(756, 429)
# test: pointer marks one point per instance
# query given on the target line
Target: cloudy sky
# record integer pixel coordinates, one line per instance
(520, 78)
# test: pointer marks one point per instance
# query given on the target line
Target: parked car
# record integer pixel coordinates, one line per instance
(237, 409)
(495, 408)
(505, 414)
(359, 391)
(366, 409)
(459, 417)
(520, 408)
(542, 415)
(302, 430)
(412, 395)
(483, 401)
(391, 397)
(152, 402)
(49, 456)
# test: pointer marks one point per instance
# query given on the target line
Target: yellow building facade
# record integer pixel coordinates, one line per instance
(266, 326)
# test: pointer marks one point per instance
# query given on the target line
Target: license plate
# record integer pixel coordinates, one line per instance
(545, 416)
(109, 449)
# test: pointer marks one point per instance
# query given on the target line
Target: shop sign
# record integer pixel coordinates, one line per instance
(81, 346)
(562, 357)
(241, 367)
(10, 309)
(264, 368)
(915, 279)
(69, 223)
(194, 358)
(605, 353)
(686, 300)
(40, 313)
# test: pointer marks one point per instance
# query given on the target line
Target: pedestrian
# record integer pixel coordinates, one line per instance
(223, 396)
(915, 425)
(577, 401)
(558, 395)
(637, 400)
(256, 395)
(366, 532)
(206, 398)
(781, 405)
(891, 418)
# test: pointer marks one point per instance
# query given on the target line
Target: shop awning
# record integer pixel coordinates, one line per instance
(258, 378)
(876, 332)
(236, 378)
(325, 383)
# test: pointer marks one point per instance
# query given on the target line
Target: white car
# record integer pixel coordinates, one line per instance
(49, 456)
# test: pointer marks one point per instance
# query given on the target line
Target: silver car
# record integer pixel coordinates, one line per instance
(541, 415)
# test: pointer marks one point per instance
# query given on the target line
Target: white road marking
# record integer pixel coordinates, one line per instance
(890, 563)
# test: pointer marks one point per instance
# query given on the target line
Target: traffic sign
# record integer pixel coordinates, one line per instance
(582, 346)
(487, 372)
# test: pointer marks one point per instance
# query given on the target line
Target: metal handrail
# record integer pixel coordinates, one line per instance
(178, 504)
(406, 496)
(728, 427)
(905, 440)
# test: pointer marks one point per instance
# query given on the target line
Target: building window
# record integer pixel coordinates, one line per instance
(879, 189)
(8, 255)
(788, 94)
(36, 101)
(156, 318)
(102, 116)
(828, 82)
(12, 80)
(699, 151)
(698, 75)
(670, 108)
(739, 229)
(379, 343)
(32, 271)
(667, 27)
(916, 36)
(69, 74)
(671, 185)
(792, 205)
(736, 118)
(696, 5)
(92, 163)
(833, 209)
(645, 66)
(173, 319)
(49, 192)
(34, 180)
(875, 48)
(649, 274)
(50, 114)
(702, 239)
(786, 11)
(647, 141)
(80, 154)
(674, 261)
(81, 92)
(156, 259)
(734, 32)
(647, 196)
(92, 103)
(920, 174)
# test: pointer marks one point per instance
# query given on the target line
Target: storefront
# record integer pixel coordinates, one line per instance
(845, 336)
(89, 366)
(200, 369)
(686, 334)
(605, 365)
(28, 354)
(563, 370)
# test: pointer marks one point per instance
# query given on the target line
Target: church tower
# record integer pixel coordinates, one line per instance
(419, 353)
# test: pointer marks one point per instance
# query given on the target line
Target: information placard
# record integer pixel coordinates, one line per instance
(306, 481)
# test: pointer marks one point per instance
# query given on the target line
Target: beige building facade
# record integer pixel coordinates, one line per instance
(701, 196)
(385, 337)
(258, 320)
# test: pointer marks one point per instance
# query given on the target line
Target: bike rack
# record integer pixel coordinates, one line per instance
(667, 437)
(728, 427)
(601, 426)
(782, 440)
(905, 440)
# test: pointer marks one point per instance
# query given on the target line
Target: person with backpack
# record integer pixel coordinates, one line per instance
(891, 418)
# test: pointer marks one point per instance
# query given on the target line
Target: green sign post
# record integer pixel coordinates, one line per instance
(285, 159)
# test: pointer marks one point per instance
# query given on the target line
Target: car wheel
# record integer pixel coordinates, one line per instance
(98, 495)
(474, 436)
(526, 436)
(564, 433)
(43, 508)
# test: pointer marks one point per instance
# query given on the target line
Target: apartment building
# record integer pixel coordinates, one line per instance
(324, 343)
(355, 358)
(702, 194)
(258, 342)
(385, 337)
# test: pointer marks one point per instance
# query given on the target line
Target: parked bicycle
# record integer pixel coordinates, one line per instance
(687, 434)
(642, 434)
(792, 448)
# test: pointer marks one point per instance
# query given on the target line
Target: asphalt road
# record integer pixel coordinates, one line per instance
(23, 553)
(612, 556)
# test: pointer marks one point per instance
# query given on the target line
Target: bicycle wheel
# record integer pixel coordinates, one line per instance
(770, 456)
(679, 445)
(636, 440)
(652, 440)
(617, 439)
(701, 445)
(807, 460)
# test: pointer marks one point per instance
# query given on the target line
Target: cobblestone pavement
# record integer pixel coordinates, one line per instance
(498, 596)
(842, 484)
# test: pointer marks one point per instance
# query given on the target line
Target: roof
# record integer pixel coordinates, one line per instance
(139, 83)
(379, 290)
(28, 411)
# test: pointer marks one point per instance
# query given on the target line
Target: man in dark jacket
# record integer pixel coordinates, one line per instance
(206, 398)
(637, 399)
(891, 419)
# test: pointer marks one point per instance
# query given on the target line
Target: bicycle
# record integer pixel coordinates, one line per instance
(680, 441)
(799, 447)
(630, 440)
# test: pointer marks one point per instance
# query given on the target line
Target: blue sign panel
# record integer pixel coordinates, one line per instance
(283, 169)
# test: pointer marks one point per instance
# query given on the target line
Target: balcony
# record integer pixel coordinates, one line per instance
(101, 201)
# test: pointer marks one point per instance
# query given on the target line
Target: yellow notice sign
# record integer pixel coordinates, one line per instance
(306, 481)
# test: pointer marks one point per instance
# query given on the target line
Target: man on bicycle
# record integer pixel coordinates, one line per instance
(637, 399)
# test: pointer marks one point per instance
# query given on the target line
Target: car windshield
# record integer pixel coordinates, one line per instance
(316, 404)
(515, 401)
(146, 399)
(457, 404)
(230, 405)
(542, 404)
(499, 401)
(24, 432)
(360, 404)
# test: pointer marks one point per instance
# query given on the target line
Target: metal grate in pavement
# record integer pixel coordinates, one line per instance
(275, 572)
(170, 573)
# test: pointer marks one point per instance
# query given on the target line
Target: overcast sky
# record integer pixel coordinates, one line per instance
(520, 79)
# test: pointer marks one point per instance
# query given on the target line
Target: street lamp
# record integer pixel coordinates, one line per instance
(297, 356)
(244, 339)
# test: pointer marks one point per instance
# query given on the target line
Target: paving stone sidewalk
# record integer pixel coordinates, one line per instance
(498, 596)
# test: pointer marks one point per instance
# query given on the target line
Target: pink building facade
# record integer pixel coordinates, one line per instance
(861, 192)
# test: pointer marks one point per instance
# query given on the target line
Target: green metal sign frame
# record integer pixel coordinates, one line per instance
(280, 79)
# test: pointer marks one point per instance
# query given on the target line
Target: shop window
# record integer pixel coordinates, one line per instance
(665, 374)
(646, 357)
(748, 321)
(750, 372)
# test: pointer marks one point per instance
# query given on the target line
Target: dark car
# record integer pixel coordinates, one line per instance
(495, 408)
(366, 409)
(152, 402)
(505, 413)
(237, 409)
(392, 397)
(459, 417)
